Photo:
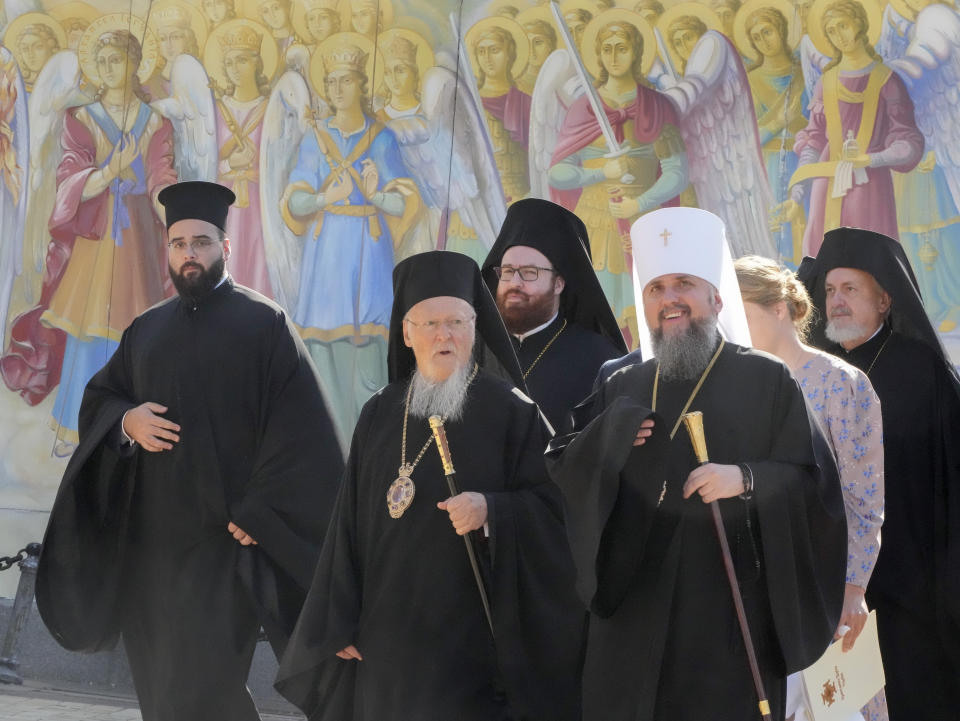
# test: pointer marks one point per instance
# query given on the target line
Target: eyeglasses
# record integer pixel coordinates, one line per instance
(197, 246)
(453, 325)
(526, 272)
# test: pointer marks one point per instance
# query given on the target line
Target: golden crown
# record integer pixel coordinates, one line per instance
(172, 15)
(242, 38)
(401, 49)
(345, 57)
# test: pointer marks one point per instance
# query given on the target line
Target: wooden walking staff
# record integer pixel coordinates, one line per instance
(440, 436)
(694, 423)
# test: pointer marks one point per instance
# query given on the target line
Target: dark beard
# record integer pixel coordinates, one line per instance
(520, 319)
(195, 288)
(685, 356)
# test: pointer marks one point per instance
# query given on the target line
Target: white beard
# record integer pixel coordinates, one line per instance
(850, 332)
(444, 398)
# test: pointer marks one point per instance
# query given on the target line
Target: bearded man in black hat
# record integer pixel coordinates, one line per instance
(192, 512)
(394, 628)
(547, 292)
(871, 315)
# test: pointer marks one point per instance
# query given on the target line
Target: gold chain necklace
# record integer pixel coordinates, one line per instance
(878, 354)
(401, 491)
(703, 377)
(545, 349)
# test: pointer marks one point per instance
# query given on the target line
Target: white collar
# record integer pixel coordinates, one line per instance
(523, 336)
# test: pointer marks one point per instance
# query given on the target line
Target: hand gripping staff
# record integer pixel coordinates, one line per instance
(694, 423)
(440, 436)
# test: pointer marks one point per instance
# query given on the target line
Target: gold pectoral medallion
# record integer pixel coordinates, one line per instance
(401, 492)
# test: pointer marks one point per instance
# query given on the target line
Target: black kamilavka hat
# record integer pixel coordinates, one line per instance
(197, 200)
(447, 273)
(562, 237)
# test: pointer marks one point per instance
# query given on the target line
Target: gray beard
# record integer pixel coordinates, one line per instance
(685, 356)
(444, 398)
(852, 331)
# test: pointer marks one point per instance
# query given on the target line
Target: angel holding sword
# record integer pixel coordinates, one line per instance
(106, 261)
(618, 49)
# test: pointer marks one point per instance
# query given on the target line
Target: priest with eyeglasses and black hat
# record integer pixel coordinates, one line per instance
(395, 627)
(562, 327)
(192, 512)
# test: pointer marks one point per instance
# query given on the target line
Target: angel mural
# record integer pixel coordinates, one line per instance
(499, 51)
(34, 38)
(537, 23)
(349, 183)
(14, 162)
(928, 197)
(180, 29)
(368, 17)
(242, 56)
(316, 20)
(719, 128)
(74, 17)
(217, 12)
(727, 11)
(276, 16)
(762, 32)
(447, 155)
(861, 127)
(106, 261)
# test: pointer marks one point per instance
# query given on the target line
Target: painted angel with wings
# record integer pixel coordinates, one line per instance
(14, 163)
(449, 157)
(861, 128)
(666, 144)
(105, 262)
(928, 197)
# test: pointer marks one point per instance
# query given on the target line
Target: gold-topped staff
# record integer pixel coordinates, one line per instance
(440, 436)
(694, 423)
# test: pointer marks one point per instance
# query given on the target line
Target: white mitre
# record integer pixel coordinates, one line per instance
(694, 242)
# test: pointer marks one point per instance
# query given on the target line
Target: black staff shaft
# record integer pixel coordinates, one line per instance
(440, 436)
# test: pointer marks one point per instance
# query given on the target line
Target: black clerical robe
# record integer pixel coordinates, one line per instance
(664, 642)
(915, 586)
(137, 542)
(564, 374)
(402, 591)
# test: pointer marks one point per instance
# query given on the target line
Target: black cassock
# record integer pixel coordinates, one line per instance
(137, 542)
(565, 373)
(915, 586)
(664, 642)
(402, 591)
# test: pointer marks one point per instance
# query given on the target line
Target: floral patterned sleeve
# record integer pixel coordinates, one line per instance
(857, 433)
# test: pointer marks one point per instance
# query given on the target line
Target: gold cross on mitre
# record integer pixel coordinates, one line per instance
(665, 234)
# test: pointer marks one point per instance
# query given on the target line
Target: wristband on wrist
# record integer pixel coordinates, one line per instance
(747, 474)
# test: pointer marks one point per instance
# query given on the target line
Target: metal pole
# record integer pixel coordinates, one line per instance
(18, 616)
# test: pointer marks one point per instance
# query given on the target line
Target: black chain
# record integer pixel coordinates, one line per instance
(11, 561)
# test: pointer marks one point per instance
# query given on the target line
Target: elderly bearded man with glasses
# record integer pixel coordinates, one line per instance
(395, 627)
(547, 292)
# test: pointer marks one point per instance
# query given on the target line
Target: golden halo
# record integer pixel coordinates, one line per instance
(587, 47)
(198, 23)
(15, 30)
(213, 53)
(540, 13)
(747, 9)
(508, 25)
(498, 6)
(73, 9)
(408, 22)
(109, 23)
(707, 15)
(346, 13)
(318, 71)
(819, 38)
(425, 59)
